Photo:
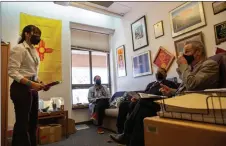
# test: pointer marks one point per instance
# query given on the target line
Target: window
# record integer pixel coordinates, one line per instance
(80, 67)
(99, 66)
(86, 65)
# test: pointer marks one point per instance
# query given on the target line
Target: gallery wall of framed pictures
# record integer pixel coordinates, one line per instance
(185, 18)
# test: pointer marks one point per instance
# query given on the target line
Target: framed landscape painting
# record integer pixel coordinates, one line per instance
(139, 34)
(142, 64)
(179, 44)
(163, 58)
(121, 61)
(187, 17)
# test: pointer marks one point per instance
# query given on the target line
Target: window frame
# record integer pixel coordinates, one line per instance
(85, 86)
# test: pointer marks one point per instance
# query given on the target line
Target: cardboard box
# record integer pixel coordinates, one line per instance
(70, 126)
(55, 133)
(172, 132)
(44, 132)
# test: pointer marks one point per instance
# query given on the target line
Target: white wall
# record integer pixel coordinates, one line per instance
(156, 11)
(10, 33)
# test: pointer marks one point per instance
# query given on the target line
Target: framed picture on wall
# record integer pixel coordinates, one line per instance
(121, 61)
(218, 7)
(220, 32)
(139, 34)
(142, 64)
(187, 17)
(163, 58)
(158, 29)
(179, 44)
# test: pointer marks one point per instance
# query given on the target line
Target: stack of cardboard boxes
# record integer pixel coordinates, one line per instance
(54, 132)
(50, 134)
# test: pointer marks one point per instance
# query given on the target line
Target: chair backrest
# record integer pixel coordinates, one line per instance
(221, 60)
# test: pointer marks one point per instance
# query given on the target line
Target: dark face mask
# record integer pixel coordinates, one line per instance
(98, 82)
(35, 39)
(189, 58)
(159, 77)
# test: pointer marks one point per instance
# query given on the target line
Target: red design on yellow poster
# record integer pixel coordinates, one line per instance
(42, 50)
(49, 48)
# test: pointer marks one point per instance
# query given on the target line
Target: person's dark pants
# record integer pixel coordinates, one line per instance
(125, 108)
(134, 126)
(26, 112)
(100, 107)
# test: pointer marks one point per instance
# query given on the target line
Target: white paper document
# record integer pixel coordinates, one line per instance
(219, 89)
(144, 95)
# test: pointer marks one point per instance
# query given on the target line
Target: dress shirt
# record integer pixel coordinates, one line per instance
(23, 61)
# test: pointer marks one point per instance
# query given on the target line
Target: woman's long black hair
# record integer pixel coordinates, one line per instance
(28, 29)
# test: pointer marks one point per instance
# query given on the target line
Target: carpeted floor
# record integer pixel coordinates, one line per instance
(86, 137)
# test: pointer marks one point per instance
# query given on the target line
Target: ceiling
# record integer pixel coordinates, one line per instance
(118, 9)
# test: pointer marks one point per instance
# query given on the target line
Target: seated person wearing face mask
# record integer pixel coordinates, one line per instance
(126, 107)
(99, 96)
(196, 73)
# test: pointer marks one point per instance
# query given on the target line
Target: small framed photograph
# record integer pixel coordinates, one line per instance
(139, 34)
(187, 17)
(142, 64)
(163, 58)
(179, 44)
(158, 29)
(220, 32)
(219, 7)
(121, 61)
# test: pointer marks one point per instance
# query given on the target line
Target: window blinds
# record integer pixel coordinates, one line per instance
(89, 40)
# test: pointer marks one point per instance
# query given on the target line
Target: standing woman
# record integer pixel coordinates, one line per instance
(23, 69)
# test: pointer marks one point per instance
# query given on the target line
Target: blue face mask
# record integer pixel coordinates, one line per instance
(98, 82)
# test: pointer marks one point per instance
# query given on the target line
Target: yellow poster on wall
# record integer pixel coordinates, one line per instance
(49, 48)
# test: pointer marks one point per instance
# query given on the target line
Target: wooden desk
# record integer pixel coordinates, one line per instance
(56, 114)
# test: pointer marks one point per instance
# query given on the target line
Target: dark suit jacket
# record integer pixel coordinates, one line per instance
(153, 87)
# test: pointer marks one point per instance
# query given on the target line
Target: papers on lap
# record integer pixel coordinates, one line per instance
(219, 89)
(144, 95)
(133, 94)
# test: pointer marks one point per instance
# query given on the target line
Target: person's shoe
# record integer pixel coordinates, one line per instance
(119, 138)
(94, 117)
(100, 131)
